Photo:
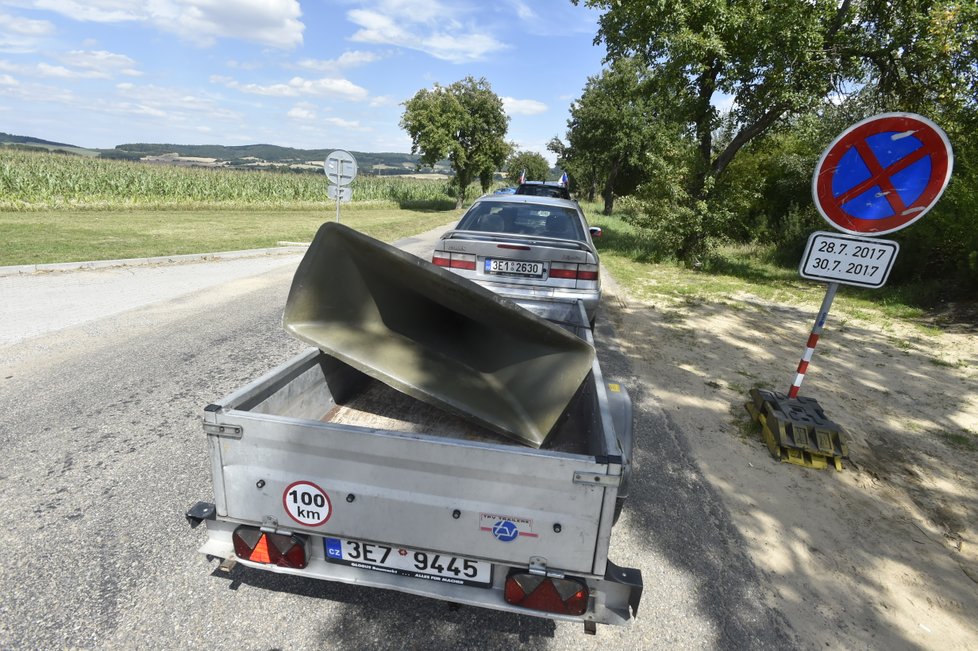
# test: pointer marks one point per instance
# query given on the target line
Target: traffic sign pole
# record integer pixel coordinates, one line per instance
(823, 315)
(341, 168)
(340, 175)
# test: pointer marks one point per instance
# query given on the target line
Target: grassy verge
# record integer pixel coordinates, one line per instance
(73, 236)
(735, 272)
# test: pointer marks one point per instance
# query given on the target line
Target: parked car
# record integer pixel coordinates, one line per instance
(505, 191)
(530, 249)
(543, 189)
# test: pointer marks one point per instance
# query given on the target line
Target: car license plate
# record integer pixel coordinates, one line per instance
(514, 267)
(408, 562)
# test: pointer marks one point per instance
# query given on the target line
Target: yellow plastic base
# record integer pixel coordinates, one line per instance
(796, 455)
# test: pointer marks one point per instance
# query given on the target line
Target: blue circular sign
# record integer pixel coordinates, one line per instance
(882, 174)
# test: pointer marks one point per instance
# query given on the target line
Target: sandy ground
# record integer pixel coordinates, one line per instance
(882, 555)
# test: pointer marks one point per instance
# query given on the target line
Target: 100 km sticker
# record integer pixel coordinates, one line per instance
(307, 503)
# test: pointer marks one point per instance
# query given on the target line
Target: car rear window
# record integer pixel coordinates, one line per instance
(541, 190)
(523, 219)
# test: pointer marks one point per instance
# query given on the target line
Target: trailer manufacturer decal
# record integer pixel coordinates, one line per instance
(307, 503)
(506, 528)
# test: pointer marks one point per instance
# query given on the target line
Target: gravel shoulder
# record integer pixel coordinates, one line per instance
(881, 555)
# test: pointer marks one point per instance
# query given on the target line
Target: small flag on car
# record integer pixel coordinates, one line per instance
(563, 179)
(523, 177)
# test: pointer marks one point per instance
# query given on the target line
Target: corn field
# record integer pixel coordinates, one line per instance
(44, 181)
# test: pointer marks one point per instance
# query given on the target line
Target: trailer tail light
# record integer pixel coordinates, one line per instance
(561, 596)
(257, 546)
(453, 260)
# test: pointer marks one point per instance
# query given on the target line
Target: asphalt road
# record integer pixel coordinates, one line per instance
(102, 452)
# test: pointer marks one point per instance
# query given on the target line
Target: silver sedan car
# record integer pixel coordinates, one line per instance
(529, 249)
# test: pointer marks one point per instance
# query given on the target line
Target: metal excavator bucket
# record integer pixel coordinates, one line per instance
(434, 335)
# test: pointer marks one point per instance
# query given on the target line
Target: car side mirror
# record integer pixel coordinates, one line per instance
(595, 231)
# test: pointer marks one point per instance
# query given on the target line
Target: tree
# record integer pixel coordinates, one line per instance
(780, 58)
(463, 122)
(536, 166)
(611, 129)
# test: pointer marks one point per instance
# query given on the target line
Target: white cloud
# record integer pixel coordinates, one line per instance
(19, 35)
(343, 124)
(159, 106)
(270, 22)
(242, 65)
(435, 28)
(275, 23)
(349, 59)
(523, 11)
(78, 65)
(105, 64)
(100, 11)
(7, 80)
(514, 106)
(302, 111)
(382, 101)
(299, 86)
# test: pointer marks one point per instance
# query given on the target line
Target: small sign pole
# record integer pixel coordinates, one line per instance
(823, 315)
(341, 168)
(338, 193)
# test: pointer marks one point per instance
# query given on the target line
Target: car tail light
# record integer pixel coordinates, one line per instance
(441, 259)
(565, 596)
(563, 270)
(587, 272)
(453, 260)
(579, 272)
(257, 546)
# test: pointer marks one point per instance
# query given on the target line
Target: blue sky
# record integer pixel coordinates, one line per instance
(309, 74)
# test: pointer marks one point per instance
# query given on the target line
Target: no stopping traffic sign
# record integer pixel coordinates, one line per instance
(882, 174)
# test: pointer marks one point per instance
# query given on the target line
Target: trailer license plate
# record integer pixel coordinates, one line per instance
(408, 562)
(514, 268)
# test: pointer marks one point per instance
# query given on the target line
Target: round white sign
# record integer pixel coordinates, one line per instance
(307, 503)
(340, 167)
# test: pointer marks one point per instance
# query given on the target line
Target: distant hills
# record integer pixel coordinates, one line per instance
(259, 156)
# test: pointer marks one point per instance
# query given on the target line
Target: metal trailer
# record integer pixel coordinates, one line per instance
(388, 492)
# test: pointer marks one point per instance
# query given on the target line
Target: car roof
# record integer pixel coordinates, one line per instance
(529, 198)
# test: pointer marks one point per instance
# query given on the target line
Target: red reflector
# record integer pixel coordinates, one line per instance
(514, 247)
(256, 546)
(260, 553)
(463, 264)
(561, 596)
(587, 275)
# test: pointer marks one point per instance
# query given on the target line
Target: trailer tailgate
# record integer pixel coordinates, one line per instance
(414, 490)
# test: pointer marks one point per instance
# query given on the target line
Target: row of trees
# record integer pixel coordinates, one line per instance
(795, 72)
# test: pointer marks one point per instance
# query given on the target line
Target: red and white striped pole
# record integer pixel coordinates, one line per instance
(823, 314)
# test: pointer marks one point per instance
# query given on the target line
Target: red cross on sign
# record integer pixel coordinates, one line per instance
(882, 174)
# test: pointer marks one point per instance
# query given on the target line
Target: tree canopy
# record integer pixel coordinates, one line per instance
(611, 130)
(536, 166)
(464, 123)
(777, 59)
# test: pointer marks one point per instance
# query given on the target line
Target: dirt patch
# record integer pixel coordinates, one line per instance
(883, 554)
